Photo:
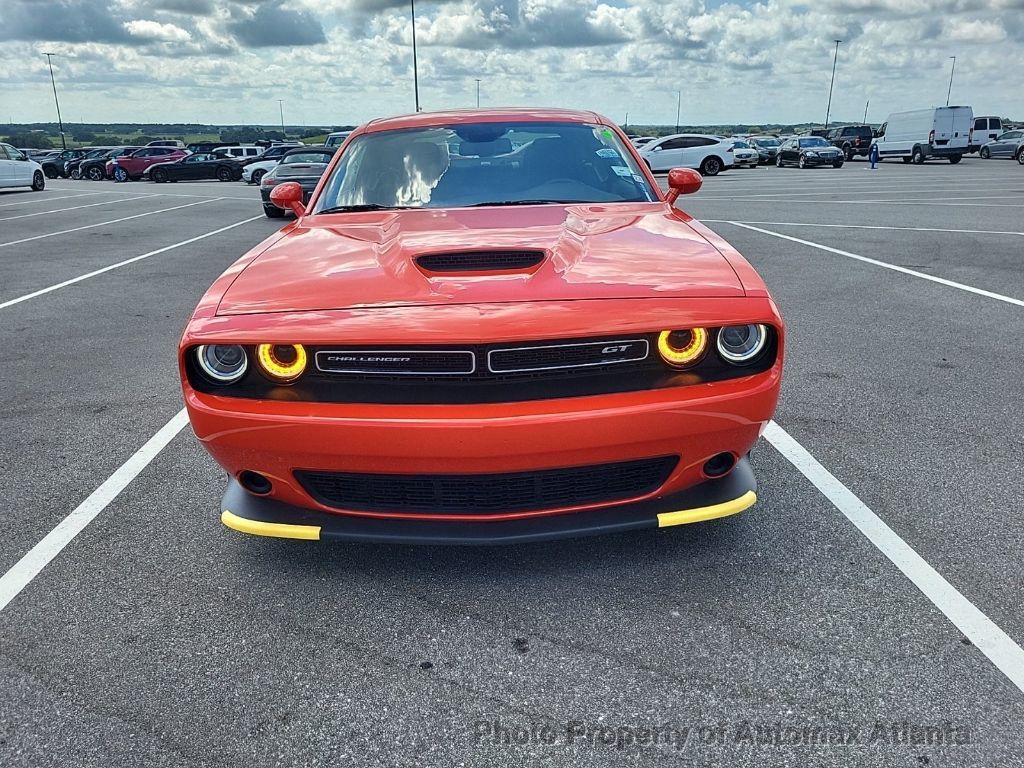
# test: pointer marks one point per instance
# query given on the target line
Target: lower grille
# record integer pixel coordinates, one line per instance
(488, 494)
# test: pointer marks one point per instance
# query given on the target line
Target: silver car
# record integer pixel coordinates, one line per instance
(1009, 144)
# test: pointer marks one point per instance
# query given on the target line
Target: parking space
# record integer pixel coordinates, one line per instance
(157, 637)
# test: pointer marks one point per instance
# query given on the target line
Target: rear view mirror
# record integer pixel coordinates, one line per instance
(682, 181)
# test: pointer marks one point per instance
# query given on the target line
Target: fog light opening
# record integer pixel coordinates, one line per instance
(254, 482)
(719, 464)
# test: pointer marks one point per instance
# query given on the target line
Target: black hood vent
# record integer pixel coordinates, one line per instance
(480, 261)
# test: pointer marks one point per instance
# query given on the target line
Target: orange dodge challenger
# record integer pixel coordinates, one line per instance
(484, 326)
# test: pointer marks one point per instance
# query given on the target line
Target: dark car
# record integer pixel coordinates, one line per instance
(198, 147)
(193, 167)
(57, 165)
(94, 168)
(767, 148)
(853, 140)
(303, 164)
(74, 167)
(808, 151)
(275, 152)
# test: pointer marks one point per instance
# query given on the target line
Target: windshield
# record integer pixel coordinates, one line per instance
(485, 164)
(308, 157)
(814, 141)
(767, 142)
(740, 145)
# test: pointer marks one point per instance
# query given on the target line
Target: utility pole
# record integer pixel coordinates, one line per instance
(477, 92)
(625, 128)
(415, 69)
(63, 141)
(280, 106)
(951, 71)
(828, 109)
(679, 103)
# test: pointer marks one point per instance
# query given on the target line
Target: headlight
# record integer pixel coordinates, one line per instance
(282, 363)
(222, 363)
(684, 348)
(811, 154)
(740, 344)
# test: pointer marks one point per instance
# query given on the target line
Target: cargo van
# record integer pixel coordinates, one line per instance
(924, 133)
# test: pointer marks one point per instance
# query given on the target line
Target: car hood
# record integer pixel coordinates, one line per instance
(352, 260)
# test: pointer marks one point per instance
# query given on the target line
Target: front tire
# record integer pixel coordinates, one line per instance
(711, 166)
(76, 174)
(837, 164)
(917, 157)
(801, 163)
(257, 176)
(120, 175)
(159, 175)
(985, 154)
(50, 171)
(954, 159)
(778, 161)
(95, 173)
(1020, 156)
(849, 153)
(273, 212)
(38, 181)
(223, 174)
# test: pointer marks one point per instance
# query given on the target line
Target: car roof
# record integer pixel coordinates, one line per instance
(457, 116)
(312, 148)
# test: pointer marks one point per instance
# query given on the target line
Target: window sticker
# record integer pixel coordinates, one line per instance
(622, 170)
(608, 152)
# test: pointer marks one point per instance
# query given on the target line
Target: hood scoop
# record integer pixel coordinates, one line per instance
(477, 262)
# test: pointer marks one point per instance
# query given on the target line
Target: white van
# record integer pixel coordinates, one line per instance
(986, 129)
(936, 132)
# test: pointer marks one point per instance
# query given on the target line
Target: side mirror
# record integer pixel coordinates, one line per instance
(682, 181)
(288, 196)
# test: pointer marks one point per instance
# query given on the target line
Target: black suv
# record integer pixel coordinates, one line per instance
(57, 165)
(852, 139)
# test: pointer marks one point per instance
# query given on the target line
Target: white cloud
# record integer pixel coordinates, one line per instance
(154, 30)
(976, 31)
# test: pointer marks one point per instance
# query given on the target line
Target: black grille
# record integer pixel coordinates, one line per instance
(407, 362)
(570, 355)
(490, 493)
(480, 261)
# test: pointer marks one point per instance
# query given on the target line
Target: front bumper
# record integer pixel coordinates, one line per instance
(823, 160)
(709, 500)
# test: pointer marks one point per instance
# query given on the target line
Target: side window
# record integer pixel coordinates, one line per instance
(981, 124)
(704, 142)
(3, 153)
(995, 124)
(14, 154)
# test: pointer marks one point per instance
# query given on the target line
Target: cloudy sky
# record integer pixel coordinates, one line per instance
(345, 61)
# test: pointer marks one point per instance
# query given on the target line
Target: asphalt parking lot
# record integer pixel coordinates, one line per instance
(874, 591)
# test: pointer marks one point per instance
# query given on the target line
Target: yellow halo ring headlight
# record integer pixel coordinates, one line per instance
(285, 371)
(689, 353)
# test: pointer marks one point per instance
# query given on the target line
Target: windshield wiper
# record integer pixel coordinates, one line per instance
(365, 207)
(528, 202)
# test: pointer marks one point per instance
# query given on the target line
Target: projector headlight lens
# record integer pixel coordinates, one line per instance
(741, 344)
(683, 348)
(222, 363)
(281, 363)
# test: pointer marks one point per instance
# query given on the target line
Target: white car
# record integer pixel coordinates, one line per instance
(708, 154)
(640, 141)
(745, 153)
(16, 170)
(253, 172)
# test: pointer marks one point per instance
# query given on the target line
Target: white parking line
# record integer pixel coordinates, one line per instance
(31, 198)
(77, 207)
(104, 223)
(884, 265)
(118, 265)
(866, 226)
(37, 558)
(1000, 648)
(740, 199)
(872, 190)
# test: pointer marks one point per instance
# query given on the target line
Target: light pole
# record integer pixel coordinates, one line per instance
(415, 70)
(679, 103)
(828, 109)
(280, 107)
(63, 141)
(951, 71)
(866, 103)
(477, 92)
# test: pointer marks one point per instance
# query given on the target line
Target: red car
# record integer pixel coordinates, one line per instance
(132, 167)
(484, 326)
